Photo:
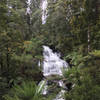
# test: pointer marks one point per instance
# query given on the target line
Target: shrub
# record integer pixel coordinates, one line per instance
(85, 91)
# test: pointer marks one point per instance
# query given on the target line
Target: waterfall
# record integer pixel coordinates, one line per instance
(44, 11)
(52, 66)
(28, 11)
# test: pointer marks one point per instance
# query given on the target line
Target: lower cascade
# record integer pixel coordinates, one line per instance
(52, 71)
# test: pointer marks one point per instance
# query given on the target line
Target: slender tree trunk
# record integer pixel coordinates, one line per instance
(29, 27)
(7, 59)
(89, 38)
(1, 64)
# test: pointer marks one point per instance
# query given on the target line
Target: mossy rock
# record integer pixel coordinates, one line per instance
(54, 77)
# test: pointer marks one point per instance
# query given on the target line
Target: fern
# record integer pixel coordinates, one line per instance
(27, 91)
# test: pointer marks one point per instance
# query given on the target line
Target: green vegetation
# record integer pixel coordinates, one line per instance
(85, 79)
(72, 28)
(25, 91)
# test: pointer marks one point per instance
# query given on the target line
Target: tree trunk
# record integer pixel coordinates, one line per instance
(89, 39)
(7, 59)
(1, 64)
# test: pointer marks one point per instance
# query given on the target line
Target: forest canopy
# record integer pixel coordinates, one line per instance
(72, 27)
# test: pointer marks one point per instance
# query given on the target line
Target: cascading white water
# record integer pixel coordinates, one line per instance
(44, 11)
(60, 95)
(28, 11)
(52, 64)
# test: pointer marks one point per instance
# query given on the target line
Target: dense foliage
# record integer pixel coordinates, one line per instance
(72, 27)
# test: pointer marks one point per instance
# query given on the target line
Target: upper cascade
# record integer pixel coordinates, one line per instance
(44, 11)
(52, 64)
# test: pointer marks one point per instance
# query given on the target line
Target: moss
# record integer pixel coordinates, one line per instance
(95, 53)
